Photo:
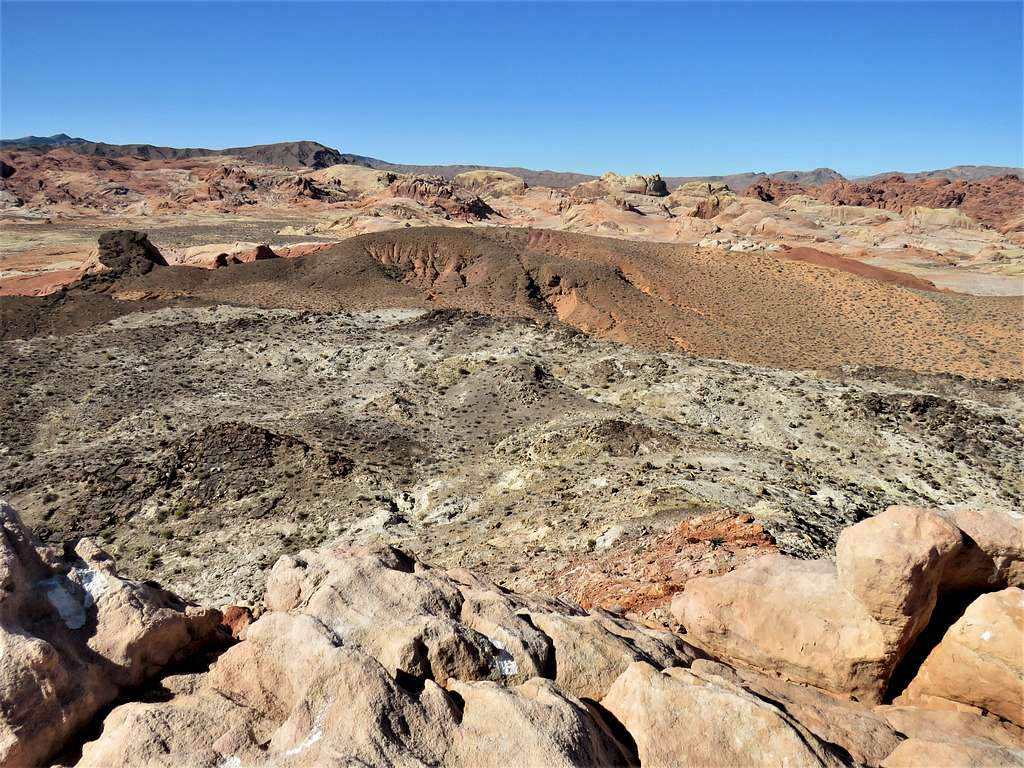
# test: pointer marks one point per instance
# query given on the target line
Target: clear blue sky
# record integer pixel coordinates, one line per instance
(683, 89)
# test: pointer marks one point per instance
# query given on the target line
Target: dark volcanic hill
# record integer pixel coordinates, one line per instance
(291, 154)
(749, 308)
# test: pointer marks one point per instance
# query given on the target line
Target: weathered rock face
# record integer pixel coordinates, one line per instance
(681, 717)
(790, 617)
(126, 251)
(369, 657)
(980, 661)
(893, 563)
(490, 183)
(845, 626)
(992, 555)
(863, 733)
(955, 728)
(72, 635)
(614, 183)
(357, 637)
(994, 201)
(439, 194)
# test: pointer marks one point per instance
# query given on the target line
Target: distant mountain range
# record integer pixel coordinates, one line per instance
(312, 154)
(291, 154)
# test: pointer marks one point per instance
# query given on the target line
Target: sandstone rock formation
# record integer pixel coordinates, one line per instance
(682, 717)
(490, 183)
(790, 617)
(440, 194)
(73, 635)
(614, 183)
(992, 555)
(368, 656)
(893, 564)
(845, 626)
(980, 661)
(994, 201)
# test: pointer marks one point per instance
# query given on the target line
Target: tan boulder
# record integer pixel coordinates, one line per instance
(951, 725)
(791, 618)
(290, 693)
(893, 563)
(968, 753)
(592, 651)
(404, 614)
(866, 735)
(524, 651)
(533, 724)
(293, 692)
(980, 660)
(993, 553)
(680, 718)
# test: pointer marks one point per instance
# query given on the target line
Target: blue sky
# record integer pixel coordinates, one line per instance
(684, 89)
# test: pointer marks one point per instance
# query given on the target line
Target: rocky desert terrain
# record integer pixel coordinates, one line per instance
(962, 232)
(311, 459)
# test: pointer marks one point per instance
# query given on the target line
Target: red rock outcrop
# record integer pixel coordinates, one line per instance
(995, 201)
(440, 194)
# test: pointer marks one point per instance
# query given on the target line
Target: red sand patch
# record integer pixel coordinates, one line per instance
(38, 284)
(854, 267)
(645, 578)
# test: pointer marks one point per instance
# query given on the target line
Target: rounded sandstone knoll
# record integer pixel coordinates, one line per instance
(615, 184)
(215, 255)
(490, 183)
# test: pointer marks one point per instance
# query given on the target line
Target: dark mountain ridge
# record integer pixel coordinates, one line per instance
(312, 154)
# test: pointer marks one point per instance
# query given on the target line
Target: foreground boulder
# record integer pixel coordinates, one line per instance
(867, 736)
(679, 717)
(789, 617)
(892, 565)
(422, 622)
(846, 626)
(980, 661)
(952, 739)
(73, 634)
(371, 636)
(992, 555)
